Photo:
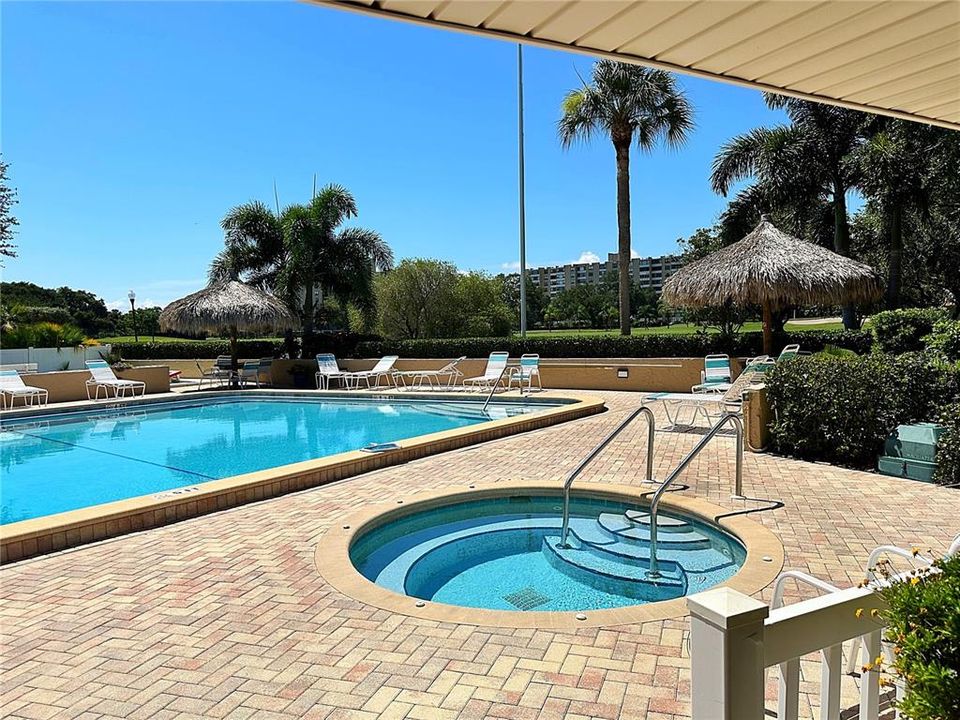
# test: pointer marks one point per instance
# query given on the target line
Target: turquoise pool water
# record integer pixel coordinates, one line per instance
(505, 554)
(57, 463)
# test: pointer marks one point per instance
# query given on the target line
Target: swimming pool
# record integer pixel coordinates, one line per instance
(56, 463)
(504, 553)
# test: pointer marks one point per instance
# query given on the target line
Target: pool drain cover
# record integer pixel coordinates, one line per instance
(526, 599)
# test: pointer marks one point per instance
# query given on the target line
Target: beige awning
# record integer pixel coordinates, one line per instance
(894, 57)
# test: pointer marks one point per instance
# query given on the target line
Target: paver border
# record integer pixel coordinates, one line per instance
(764, 561)
(38, 536)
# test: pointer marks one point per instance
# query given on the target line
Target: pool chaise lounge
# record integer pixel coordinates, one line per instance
(383, 369)
(494, 373)
(450, 371)
(710, 404)
(12, 386)
(102, 377)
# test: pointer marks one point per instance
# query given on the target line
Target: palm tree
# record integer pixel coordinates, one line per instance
(303, 248)
(798, 166)
(626, 103)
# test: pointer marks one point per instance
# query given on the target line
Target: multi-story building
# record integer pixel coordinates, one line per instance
(649, 272)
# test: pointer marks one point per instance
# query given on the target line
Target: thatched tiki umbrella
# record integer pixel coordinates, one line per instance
(773, 270)
(228, 304)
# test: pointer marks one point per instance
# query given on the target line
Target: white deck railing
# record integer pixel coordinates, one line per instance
(734, 638)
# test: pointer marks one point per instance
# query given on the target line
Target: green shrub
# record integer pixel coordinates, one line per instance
(614, 346)
(58, 315)
(948, 447)
(197, 350)
(923, 622)
(840, 410)
(900, 331)
(43, 335)
(945, 339)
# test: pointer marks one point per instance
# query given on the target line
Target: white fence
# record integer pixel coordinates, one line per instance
(734, 638)
(50, 359)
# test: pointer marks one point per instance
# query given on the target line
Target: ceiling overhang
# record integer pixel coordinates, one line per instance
(893, 57)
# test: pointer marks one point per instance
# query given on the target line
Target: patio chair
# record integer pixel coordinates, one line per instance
(492, 375)
(12, 386)
(383, 369)
(222, 370)
(790, 351)
(102, 377)
(450, 371)
(716, 375)
(327, 370)
(529, 370)
(249, 373)
(710, 405)
(264, 371)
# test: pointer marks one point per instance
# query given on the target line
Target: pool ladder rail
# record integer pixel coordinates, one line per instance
(731, 418)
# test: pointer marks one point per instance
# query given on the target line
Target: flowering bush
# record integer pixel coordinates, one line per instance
(923, 623)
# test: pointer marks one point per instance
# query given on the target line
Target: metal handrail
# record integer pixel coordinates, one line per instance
(733, 418)
(493, 389)
(572, 475)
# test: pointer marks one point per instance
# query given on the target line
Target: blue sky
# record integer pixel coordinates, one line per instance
(132, 127)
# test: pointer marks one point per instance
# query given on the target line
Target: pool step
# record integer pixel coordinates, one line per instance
(702, 560)
(622, 528)
(640, 517)
(611, 574)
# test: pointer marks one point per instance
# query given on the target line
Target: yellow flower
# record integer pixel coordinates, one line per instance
(915, 551)
(914, 581)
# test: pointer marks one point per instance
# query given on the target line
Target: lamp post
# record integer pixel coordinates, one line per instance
(133, 312)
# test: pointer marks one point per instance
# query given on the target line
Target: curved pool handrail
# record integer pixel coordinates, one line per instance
(730, 417)
(572, 475)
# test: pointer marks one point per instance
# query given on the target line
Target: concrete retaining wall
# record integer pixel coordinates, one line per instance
(71, 384)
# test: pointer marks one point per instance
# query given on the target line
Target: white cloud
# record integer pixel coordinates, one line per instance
(124, 304)
(510, 266)
(634, 253)
(588, 256)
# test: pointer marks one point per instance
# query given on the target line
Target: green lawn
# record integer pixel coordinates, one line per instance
(678, 329)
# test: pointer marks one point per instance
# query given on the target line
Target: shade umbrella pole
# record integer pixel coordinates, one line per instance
(767, 329)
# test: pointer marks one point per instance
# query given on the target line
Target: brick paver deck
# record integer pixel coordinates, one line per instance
(225, 616)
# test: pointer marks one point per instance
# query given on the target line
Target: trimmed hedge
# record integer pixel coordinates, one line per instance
(614, 346)
(205, 350)
(948, 447)
(900, 331)
(945, 339)
(841, 410)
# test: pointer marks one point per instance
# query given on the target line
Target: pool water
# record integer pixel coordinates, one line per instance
(57, 463)
(505, 554)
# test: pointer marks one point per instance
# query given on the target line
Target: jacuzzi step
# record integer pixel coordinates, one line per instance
(682, 560)
(622, 528)
(601, 572)
(663, 521)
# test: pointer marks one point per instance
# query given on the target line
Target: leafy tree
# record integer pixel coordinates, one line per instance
(627, 103)
(646, 304)
(796, 168)
(302, 249)
(537, 300)
(587, 305)
(8, 223)
(481, 306)
(85, 309)
(417, 299)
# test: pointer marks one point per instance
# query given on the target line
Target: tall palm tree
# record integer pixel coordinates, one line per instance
(626, 103)
(799, 165)
(302, 248)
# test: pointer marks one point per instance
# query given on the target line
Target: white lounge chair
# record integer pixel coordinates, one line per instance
(710, 405)
(221, 371)
(250, 373)
(327, 370)
(383, 369)
(716, 374)
(788, 352)
(415, 378)
(493, 374)
(101, 376)
(528, 371)
(12, 386)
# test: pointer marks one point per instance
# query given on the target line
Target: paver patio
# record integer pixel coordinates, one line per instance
(225, 615)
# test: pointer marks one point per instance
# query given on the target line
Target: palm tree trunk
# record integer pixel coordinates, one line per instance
(308, 308)
(767, 329)
(234, 356)
(841, 244)
(895, 278)
(623, 231)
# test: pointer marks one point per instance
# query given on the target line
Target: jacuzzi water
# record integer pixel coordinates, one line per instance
(505, 554)
(50, 464)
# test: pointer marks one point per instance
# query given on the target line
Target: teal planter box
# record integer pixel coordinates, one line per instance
(911, 451)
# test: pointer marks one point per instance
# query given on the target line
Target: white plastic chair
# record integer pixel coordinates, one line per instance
(528, 371)
(493, 374)
(102, 377)
(383, 369)
(327, 370)
(12, 386)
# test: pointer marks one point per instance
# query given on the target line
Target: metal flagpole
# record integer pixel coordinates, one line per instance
(523, 221)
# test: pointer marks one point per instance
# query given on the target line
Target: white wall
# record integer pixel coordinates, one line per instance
(50, 359)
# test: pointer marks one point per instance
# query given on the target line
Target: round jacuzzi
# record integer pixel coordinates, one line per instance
(493, 555)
